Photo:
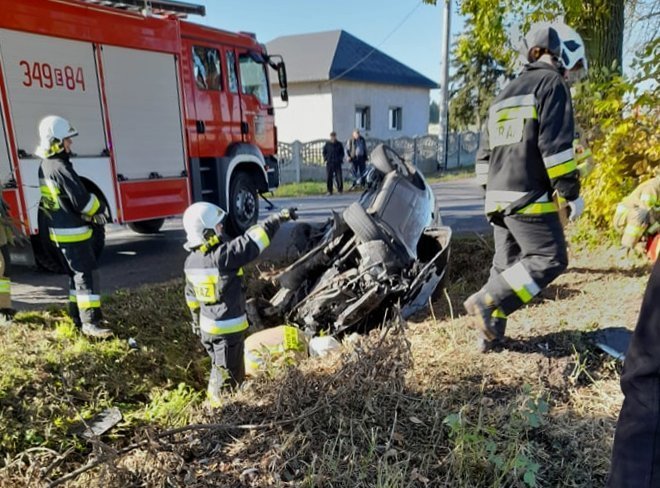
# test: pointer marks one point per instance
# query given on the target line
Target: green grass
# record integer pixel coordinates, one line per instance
(315, 188)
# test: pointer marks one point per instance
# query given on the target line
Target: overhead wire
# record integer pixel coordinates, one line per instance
(375, 48)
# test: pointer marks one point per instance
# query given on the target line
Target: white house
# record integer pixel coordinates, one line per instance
(338, 82)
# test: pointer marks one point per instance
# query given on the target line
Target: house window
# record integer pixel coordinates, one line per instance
(206, 67)
(396, 118)
(362, 117)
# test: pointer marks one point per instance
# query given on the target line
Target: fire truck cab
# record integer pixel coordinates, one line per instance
(168, 112)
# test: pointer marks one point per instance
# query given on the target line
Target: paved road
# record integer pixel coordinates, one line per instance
(131, 260)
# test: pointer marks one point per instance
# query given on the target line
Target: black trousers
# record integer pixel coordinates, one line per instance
(84, 289)
(530, 252)
(636, 452)
(359, 167)
(227, 362)
(334, 174)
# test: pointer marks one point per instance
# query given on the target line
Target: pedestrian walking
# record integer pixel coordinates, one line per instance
(333, 155)
(214, 287)
(71, 212)
(528, 146)
(356, 148)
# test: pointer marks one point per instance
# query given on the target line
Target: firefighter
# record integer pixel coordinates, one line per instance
(214, 287)
(528, 145)
(71, 212)
(638, 215)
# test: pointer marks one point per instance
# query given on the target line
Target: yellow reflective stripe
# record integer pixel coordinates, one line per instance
(192, 304)
(621, 210)
(634, 230)
(222, 327)
(205, 283)
(538, 208)
(259, 236)
(88, 301)
(240, 272)
(92, 206)
(520, 112)
(521, 282)
(499, 314)
(562, 169)
(649, 199)
(5, 285)
(76, 234)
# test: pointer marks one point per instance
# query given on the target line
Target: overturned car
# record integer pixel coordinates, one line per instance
(385, 250)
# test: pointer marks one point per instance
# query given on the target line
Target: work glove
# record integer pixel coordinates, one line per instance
(99, 219)
(576, 208)
(288, 214)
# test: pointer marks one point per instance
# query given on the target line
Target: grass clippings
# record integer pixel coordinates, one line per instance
(411, 407)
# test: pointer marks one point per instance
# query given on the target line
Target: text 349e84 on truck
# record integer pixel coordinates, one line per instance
(168, 111)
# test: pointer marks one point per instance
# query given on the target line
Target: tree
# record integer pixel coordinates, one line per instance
(434, 112)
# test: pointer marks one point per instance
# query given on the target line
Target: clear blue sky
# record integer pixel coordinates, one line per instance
(415, 43)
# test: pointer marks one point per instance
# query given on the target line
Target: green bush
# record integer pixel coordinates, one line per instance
(620, 119)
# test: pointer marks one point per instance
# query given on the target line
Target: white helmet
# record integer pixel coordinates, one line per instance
(198, 219)
(572, 48)
(543, 35)
(52, 131)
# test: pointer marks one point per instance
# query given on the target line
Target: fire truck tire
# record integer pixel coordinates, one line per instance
(243, 203)
(147, 226)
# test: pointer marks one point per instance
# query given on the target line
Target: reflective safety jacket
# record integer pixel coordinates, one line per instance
(66, 202)
(214, 283)
(528, 144)
(639, 213)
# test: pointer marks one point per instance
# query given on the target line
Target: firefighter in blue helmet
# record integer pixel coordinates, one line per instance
(214, 286)
(528, 146)
(71, 212)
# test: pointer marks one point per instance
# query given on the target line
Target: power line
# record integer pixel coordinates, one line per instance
(374, 49)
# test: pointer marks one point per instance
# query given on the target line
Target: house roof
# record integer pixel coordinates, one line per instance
(324, 56)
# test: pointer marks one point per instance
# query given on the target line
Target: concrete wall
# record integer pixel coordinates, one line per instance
(414, 102)
(309, 114)
(315, 109)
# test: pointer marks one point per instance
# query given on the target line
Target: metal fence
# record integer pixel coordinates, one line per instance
(303, 161)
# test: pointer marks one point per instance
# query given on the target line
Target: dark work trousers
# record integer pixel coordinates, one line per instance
(228, 365)
(84, 289)
(359, 167)
(530, 252)
(334, 174)
(636, 452)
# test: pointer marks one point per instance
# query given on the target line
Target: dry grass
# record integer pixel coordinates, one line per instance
(413, 407)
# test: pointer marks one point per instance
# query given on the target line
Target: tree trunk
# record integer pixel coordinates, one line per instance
(601, 26)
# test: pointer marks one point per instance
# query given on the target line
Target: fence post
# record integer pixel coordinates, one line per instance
(296, 157)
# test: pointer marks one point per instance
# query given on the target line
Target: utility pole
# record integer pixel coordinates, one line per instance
(444, 84)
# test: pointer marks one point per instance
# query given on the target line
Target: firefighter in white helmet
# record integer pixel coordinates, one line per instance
(214, 286)
(528, 146)
(71, 212)
(574, 60)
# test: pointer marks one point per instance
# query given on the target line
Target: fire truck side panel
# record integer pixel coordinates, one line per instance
(96, 171)
(5, 165)
(46, 75)
(143, 200)
(145, 117)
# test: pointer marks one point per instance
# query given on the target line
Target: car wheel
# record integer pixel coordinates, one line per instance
(361, 223)
(147, 226)
(243, 203)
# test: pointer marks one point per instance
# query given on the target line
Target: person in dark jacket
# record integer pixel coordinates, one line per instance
(636, 450)
(333, 155)
(214, 287)
(356, 147)
(71, 211)
(528, 147)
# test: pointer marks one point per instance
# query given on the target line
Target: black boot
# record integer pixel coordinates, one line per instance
(480, 305)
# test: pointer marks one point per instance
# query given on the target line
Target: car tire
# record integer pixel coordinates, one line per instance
(361, 223)
(379, 160)
(152, 226)
(243, 204)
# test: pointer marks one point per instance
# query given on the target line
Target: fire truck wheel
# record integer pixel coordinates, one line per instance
(243, 203)
(147, 226)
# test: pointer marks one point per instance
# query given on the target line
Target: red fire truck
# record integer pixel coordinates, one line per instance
(168, 112)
